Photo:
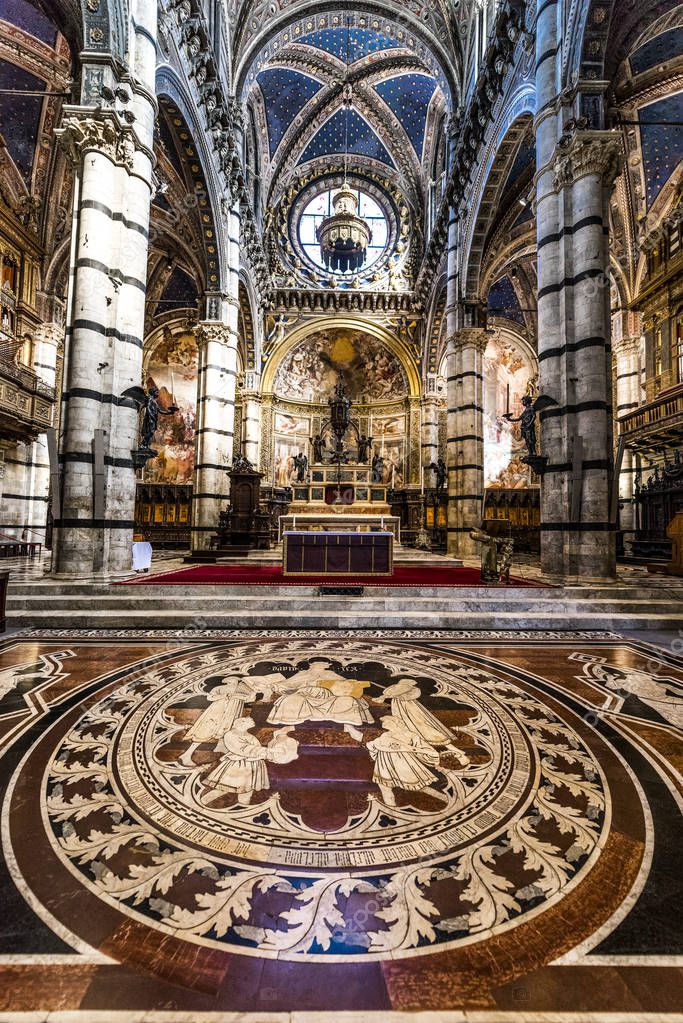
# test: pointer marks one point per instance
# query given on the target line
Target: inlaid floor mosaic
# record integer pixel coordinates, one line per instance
(344, 822)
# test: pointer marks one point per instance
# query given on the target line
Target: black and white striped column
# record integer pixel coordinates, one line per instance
(574, 170)
(215, 444)
(628, 357)
(465, 438)
(104, 337)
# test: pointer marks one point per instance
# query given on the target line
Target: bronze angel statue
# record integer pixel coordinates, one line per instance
(149, 401)
(528, 419)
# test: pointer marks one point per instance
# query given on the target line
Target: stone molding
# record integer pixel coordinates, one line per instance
(579, 153)
(84, 130)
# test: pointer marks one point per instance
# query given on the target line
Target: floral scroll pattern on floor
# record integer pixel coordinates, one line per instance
(321, 801)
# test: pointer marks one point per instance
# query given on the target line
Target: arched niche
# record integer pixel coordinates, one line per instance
(380, 377)
(358, 340)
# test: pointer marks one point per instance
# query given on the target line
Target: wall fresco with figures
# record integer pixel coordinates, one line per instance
(172, 368)
(314, 367)
(509, 374)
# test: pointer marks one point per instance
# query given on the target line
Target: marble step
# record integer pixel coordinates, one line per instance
(181, 620)
(451, 601)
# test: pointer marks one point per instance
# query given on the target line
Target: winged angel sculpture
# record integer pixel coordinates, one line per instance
(528, 420)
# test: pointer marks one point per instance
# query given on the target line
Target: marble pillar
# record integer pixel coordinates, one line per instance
(111, 147)
(251, 418)
(215, 440)
(465, 438)
(104, 338)
(430, 436)
(46, 342)
(627, 352)
(575, 168)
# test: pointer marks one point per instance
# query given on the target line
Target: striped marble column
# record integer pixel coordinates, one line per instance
(574, 167)
(578, 538)
(46, 342)
(430, 436)
(466, 438)
(627, 351)
(452, 365)
(215, 443)
(251, 424)
(104, 336)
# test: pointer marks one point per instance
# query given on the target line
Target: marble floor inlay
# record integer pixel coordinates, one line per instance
(292, 822)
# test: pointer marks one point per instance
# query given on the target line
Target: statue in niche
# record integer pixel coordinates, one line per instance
(301, 466)
(364, 447)
(377, 469)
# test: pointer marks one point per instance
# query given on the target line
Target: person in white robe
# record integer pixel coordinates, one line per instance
(226, 704)
(404, 697)
(403, 761)
(242, 769)
(318, 693)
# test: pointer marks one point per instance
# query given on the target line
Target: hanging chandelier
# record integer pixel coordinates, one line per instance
(344, 236)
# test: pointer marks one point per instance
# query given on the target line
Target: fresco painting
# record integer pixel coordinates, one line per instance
(508, 376)
(312, 370)
(173, 369)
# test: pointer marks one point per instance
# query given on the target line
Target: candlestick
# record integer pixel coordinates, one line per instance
(422, 479)
(507, 404)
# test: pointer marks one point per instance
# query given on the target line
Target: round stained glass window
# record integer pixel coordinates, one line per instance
(321, 206)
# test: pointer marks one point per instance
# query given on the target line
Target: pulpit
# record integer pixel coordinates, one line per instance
(245, 524)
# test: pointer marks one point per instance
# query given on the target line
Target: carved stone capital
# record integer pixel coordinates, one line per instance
(469, 337)
(218, 333)
(84, 130)
(580, 153)
(624, 347)
(49, 334)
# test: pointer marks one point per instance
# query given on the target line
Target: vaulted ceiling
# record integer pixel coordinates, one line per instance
(401, 89)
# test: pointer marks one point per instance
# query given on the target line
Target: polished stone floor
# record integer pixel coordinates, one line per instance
(480, 827)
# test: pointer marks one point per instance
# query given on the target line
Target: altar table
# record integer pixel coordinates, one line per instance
(344, 521)
(334, 554)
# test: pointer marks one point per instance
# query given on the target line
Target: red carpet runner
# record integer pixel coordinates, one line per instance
(271, 575)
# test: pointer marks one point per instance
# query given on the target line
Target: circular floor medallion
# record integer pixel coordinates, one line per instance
(324, 798)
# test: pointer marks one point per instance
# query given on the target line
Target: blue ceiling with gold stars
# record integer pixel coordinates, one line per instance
(285, 94)
(20, 119)
(662, 144)
(30, 18)
(503, 301)
(331, 138)
(657, 51)
(409, 96)
(349, 47)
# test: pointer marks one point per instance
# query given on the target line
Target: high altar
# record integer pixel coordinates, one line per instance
(350, 503)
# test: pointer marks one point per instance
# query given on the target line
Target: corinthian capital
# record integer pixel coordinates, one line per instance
(469, 337)
(217, 333)
(83, 131)
(580, 153)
